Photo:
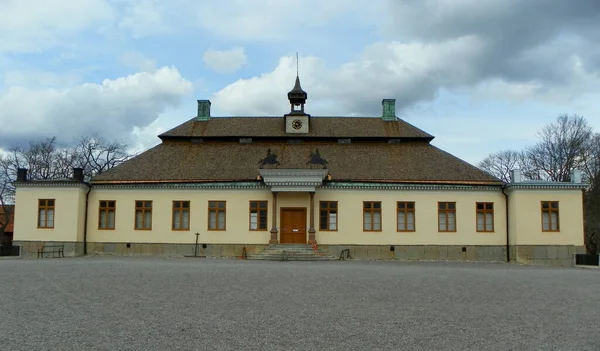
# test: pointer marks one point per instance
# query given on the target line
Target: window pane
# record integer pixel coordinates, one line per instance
(367, 205)
(212, 204)
(377, 221)
(554, 204)
(333, 204)
(545, 204)
(103, 219)
(554, 220)
(442, 220)
(401, 205)
(176, 220)
(212, 220)
(480, 222)
(451, 221)
(442, 205)
(332, 221)
(410, 221)
(367, 221)
(263, 204)
(253, 221)
(253, 204)
(185, 220)
(377, 205)
(42, 218)
(111, 219)
(451, 205)
(50, 203)
(401, 221)
(148, 220)
(221, 220)
(545, 221)
(222, 204)
(148, 204)
(138, 219)
(489, 222)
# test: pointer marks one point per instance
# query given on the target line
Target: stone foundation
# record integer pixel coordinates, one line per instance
(29, 249)
(546, 255)
(422, 252)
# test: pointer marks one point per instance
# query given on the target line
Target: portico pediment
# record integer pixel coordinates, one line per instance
(294, 180)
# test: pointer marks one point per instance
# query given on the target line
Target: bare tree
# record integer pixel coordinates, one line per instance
(500, 164)
(95, 155)
(46, 160)
(562, 147)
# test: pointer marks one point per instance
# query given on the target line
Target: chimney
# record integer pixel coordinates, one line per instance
(78, 174)
(203, 110)
(389, 109)
(21, 175)
(515, 176)
(576, 176)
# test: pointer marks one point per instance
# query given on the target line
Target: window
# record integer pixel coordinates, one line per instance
(328, 215)
(46, 213)
(372, 216)
(485, 216)
(143, 215)
(181, 215)
(258, 215)
(216, 215)
(406, 216)
(447, 216)
(550, 216)
(106, 214)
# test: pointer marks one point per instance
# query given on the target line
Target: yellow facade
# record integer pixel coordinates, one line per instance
(525, 217)
(524, 206)
(69, 214)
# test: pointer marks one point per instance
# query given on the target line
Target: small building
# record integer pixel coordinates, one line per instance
(7, 219)
(374, 185)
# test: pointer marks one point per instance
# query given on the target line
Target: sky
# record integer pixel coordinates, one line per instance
(480, 75)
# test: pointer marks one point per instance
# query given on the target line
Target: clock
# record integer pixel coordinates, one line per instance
(297, 124)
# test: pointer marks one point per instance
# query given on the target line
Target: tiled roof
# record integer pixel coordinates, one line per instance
(320, 127)
(184, 161)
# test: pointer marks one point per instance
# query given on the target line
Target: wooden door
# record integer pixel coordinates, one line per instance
(293, 226)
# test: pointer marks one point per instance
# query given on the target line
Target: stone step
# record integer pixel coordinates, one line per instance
(297, 252)
(291, 258)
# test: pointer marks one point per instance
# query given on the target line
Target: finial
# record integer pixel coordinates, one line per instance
(297, 65)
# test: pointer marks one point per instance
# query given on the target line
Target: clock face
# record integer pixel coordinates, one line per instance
(297, 124)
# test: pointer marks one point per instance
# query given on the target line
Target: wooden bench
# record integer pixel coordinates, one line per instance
(53, 249)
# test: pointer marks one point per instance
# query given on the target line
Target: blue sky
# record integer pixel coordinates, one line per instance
(482, 76)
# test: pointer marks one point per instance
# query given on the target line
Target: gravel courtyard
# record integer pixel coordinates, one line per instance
(103, 303)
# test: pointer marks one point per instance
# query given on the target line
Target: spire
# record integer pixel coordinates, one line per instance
(297, 96)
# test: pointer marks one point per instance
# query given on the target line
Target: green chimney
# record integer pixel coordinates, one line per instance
(389, 109)
(203, 110)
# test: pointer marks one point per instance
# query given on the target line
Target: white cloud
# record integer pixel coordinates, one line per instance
(276, 19)
(266, 94)
(137, 60)
(225, 61)
(32, 25)
(144, 18)
(111, 109)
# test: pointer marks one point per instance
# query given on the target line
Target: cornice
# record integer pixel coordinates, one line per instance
(51, 184)
(410, 187)
(547, 186)
(215, 185)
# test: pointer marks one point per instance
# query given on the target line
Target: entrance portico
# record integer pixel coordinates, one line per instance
(296, 181)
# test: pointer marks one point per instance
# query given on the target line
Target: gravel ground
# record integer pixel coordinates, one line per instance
(103, 303)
